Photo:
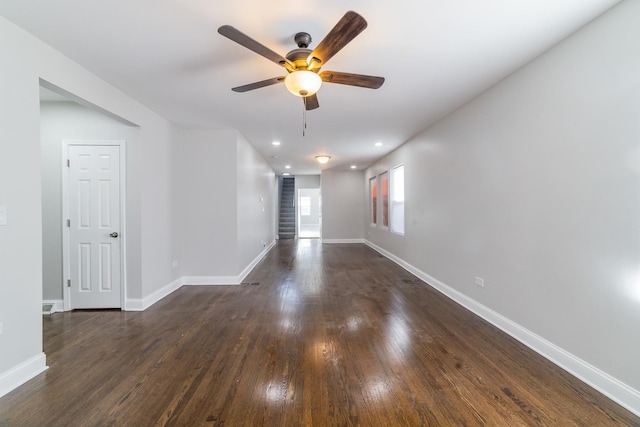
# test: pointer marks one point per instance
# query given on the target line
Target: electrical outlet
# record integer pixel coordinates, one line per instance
(480, 281)
(174, 264)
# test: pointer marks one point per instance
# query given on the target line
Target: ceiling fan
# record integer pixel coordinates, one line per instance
(303, 64)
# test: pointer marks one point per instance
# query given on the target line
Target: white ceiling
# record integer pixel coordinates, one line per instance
(434, 54)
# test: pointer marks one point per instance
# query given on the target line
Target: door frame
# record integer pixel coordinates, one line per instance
(66, 143)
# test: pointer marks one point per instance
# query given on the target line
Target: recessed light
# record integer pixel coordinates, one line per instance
(286, 174)
(288, 166)
(353, 166)
(276, 143)
(378, 144)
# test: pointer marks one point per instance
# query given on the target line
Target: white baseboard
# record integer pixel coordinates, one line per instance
(255, 262)
(343, 241)
(599, 380)
(228, 280)
(210, 280)
(58, 304)
(141, 304)
(18, 375)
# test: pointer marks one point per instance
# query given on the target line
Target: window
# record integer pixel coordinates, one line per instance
(397, 199)
(373, 200)
(384, 191)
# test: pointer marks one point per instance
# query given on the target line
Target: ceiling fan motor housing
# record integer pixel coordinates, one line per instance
(298, 57)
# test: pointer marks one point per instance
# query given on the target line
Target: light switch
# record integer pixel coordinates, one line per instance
(3, 215)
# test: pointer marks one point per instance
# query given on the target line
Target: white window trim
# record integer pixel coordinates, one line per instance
(391, 201)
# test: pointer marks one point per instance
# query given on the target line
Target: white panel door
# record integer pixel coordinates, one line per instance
(94, 226)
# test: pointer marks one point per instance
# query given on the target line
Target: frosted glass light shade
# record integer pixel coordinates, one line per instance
(323, 159)
(303, 83)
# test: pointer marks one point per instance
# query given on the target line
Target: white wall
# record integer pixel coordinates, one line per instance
(228, 191)
(343, 201)
(535, 187)
(160, 247)
(151, 244)
(209, 185)
(59, 121)
(307, 181)
(256, 195)
(21, 238)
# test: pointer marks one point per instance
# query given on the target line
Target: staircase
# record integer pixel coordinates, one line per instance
(287, 227)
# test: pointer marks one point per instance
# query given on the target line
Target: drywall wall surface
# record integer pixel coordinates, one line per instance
(157, 202)
(307, 181)
(209, 183)
(256, 194)
(343, 199)
(534, 187)
(21, 236)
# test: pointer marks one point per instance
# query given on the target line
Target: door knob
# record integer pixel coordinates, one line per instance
(114, 234)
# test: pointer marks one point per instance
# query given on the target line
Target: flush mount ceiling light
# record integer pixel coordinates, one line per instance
(323, 159)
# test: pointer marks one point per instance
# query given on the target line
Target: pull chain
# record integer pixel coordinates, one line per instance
(304, 116)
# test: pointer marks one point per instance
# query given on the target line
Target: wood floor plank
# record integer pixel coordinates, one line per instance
(320, 335)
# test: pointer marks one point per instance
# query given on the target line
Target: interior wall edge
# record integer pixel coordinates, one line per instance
(20, 374)
(141, 304)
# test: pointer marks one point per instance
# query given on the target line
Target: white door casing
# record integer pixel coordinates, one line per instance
(93, 188)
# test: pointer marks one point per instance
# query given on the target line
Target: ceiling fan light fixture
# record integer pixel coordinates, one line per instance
(303, 83)
(323, 159)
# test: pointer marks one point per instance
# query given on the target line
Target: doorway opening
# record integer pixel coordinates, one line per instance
(63, 116)
(309, 213)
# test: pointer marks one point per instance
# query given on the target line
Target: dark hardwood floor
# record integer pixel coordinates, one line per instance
(331, 335)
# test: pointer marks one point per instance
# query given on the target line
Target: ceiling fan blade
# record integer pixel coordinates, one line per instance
(345, 30)
(311, 102)
(242, 39)
(371, 82)
(258, 85)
